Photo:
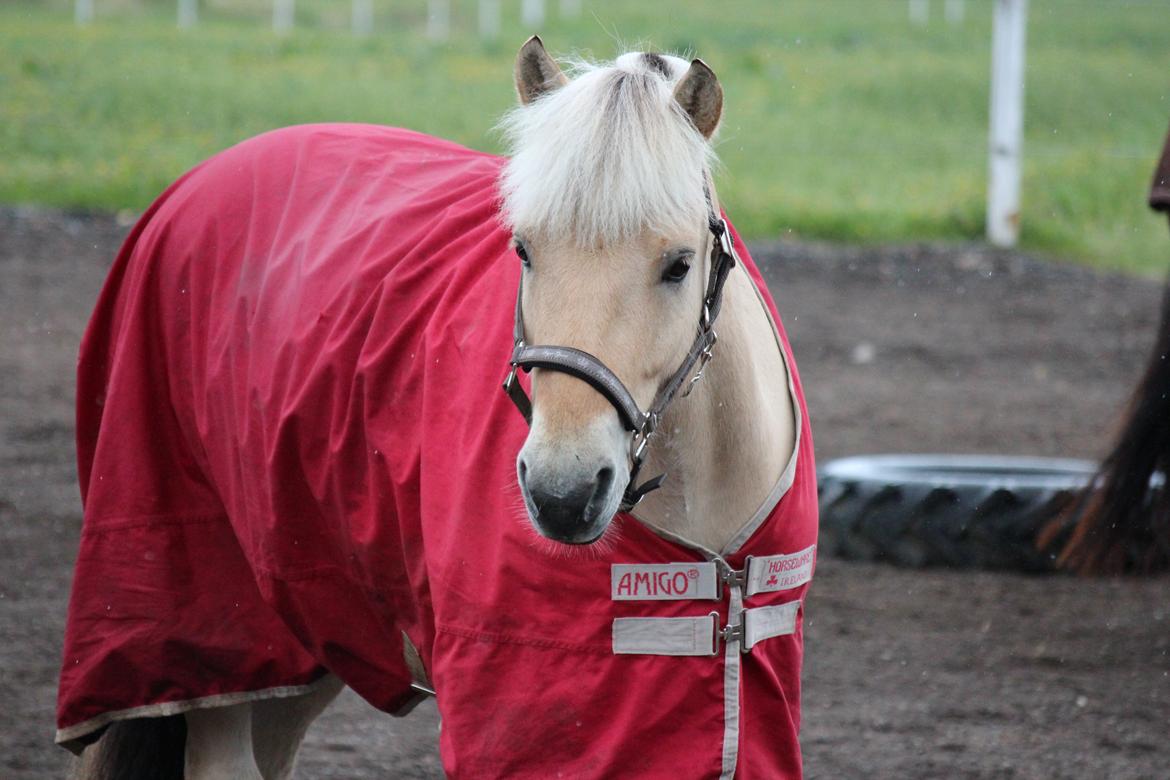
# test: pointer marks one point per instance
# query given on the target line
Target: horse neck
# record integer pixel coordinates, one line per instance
(725, 446)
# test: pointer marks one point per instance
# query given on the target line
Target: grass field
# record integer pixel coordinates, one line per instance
(842, 119)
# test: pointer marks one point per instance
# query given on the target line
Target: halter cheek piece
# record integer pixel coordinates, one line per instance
(589, 369)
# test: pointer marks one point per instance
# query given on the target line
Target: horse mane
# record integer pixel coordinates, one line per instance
(606, 156)
(1121, 521)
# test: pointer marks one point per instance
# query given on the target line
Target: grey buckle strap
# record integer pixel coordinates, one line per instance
(703, 634)
(666, 636)
(588, 368)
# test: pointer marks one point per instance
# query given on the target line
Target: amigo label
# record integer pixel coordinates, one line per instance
(780, 572)
(663, 581)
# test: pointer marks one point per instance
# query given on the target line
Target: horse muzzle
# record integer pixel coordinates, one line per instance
(568, 501)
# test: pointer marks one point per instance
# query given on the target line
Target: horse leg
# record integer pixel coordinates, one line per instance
(219, 744)
(279, 726)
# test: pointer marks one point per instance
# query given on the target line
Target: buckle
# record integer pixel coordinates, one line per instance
(732, 578)
(510, 379)
(725, 238)
(641, 437)
(732, 632)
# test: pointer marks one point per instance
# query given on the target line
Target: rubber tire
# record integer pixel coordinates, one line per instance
(960, 511)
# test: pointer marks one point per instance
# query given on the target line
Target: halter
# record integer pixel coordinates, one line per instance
(588, 368)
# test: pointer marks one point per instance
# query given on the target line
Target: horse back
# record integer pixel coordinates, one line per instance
(272, 307)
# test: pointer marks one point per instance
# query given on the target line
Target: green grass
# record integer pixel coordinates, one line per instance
(842, 120)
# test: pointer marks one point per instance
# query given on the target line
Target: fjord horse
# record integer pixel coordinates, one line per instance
(300, 473)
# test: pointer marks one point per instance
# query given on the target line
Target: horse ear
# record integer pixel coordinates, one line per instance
(536, 71)
(701, 96)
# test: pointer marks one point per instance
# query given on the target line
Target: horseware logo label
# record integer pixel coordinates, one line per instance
(663, 581)
(780, 572)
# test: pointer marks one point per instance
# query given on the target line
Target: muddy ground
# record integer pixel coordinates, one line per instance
(939, 674)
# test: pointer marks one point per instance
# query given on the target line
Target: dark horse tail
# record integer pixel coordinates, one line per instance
(139, 749)
(1121, 522)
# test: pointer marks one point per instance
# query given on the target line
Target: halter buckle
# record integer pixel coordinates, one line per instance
(725, 238)
(638, 446)
(641, 438)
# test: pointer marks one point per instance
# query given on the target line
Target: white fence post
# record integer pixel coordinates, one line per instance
(362, 17)
(570, 9)
(283, 15)
(83, 11)
(532, 14)
(489, 19)
(919, 12)
(188, 14)
(1007, 122)
(955, 11)
(438, 19)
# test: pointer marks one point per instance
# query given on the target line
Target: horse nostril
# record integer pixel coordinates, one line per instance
(601, 485)
(523, 472)
(604, 481)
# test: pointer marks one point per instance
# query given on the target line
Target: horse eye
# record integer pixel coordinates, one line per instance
(677, 271)
(522, 253)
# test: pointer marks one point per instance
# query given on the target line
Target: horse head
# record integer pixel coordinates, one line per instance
(608, 196)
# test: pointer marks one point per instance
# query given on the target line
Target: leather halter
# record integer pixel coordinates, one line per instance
(588, 368)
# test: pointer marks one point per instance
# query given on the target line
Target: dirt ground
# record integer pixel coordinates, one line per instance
(908, 674)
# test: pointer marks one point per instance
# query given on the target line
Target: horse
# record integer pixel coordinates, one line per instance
(1120, 522)
(299, 471)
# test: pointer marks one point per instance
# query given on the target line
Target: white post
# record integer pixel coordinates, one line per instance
(362, 17)
(489, 19)
(283, 14)
(438, 19)
(532, 14)
(83, 11)
(188, 14)
(955, 11)
(919, 12)
(570, 9)
(1007, 121)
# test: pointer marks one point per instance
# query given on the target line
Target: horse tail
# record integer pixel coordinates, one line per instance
(138, 749)
(1121, 521)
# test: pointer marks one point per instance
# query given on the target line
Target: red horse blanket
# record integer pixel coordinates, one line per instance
(293, 447)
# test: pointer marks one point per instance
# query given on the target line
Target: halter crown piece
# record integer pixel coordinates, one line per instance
(589, 369)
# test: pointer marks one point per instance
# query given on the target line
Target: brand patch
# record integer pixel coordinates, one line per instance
(663, 581)
(780, 572)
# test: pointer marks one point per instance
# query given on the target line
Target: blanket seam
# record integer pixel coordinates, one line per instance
(131, 522)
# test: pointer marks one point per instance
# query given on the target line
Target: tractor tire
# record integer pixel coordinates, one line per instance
(960, 511)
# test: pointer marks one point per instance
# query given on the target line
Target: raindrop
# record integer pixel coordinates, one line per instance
(863, 354)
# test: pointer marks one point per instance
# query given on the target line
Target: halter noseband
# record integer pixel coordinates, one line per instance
(589, 369)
